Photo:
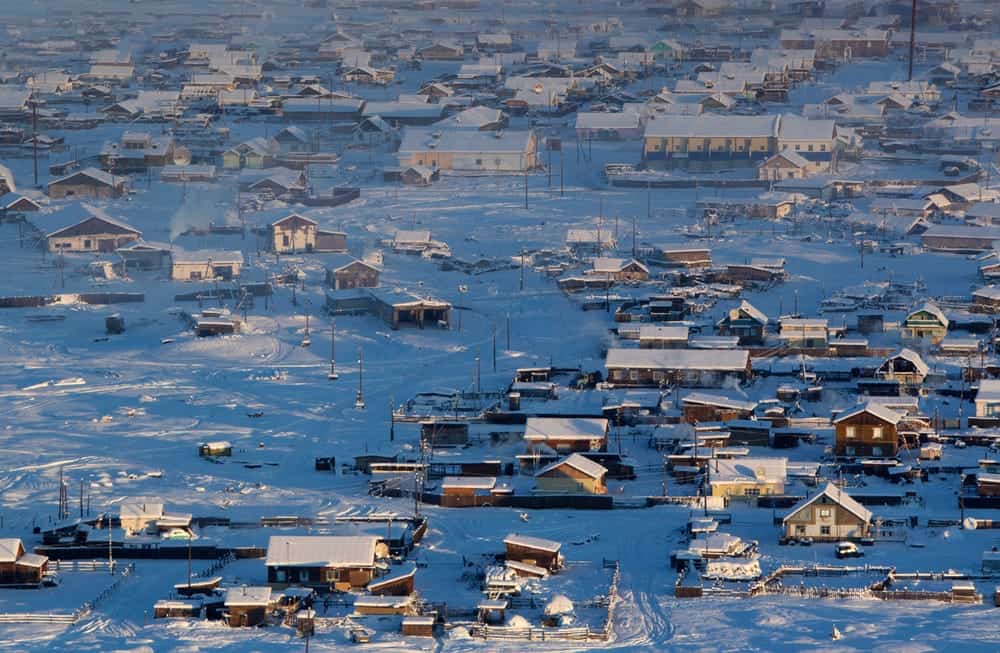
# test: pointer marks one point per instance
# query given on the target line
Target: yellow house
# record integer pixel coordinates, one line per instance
(747, 477)
(926, 323)
(575, 474)
(293, 233)
(710, 141)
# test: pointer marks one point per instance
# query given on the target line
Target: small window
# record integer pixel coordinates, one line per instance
(876, 433)
(800, 529)
(284, 241)
(824, 513)
(810, 147)
(633, 375)
(751, 492)
(824, 530)
(849, 451)
(797, 147)
(850, 432)
(279, 575)
(332, 575)
(658, 376)
(822, 147)
(479, 162)
(303, 575)
(876, 451)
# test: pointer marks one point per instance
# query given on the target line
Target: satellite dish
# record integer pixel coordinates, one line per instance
(182, 156)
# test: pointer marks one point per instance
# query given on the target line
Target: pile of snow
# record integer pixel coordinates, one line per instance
(518, 621)
(459, 632)
(559, 604)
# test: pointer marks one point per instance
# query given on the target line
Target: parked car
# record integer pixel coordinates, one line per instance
(848, 550)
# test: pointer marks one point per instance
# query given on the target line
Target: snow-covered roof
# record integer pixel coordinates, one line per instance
(989, 391)
(838, 496)
(207, 255)
(321, 550)
(9, 547)
(742, 470)
(687, 359)
(247, 596)
(141, 510)
(881, 412)
(911, 357)
(675, 126)
(722, 401)
(791, 156)
(95, 174)
(423, 139)
(469, 482)
(655, 332)
(933, 309)
(529, 542)
(565, 428)
(578, 462)
(607, 120)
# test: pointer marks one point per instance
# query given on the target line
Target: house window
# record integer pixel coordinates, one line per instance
(633, 375)
(86, 244)
(800, 529)
(658, 376)
(284, 240)
(332, 575)
(876, 451)
(850, 432)
(303, 575)
(824, 530)
(479, 162)
(822, 147)
(876, 433)
(848, 451)
(797, 147)
(810, 147)
(279, 575)
(751, 492)
(824, 513)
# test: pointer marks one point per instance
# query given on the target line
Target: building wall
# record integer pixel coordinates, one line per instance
(89, 243)
(356, 276)
(811, 520)
(301, 239)
(565, 479)
(864, 442)
(688, 378)
(543, 559)
(740, 489)
(94, 191)
(200, 270)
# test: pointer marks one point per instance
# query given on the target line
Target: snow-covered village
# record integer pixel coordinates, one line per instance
(455, 325)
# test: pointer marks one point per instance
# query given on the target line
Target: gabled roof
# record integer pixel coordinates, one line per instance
(722, 401)
(84, 214)
(748, 470)
(912, 357)
(294, 216)
(248, 596)
(731, 360)
(321, 550)
(578, 462)
(933, 309)
(562, 428)
(9, 548)
(94, 174)
(881, 412)
(791, 156)
(839, 497)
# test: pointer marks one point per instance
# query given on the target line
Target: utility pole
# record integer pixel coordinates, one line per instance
(392, 420)
(633, 237)
(359, 403)
(913, 37)
(522, 270)
(332, 374)
(526, 187)
(508, 331)
(494, 346)
(34, 135)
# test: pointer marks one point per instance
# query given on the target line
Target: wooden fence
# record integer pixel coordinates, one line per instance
(42, 617)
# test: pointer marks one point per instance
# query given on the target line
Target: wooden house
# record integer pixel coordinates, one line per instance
(368, 75)
(987, 299)
(347, 272)
(702, 407)
(442, 51)
(418, 626)
(960, 238)
(438, 432)
(418, 176)
(323, 562)
(293, 139)
(293, 233)
(786, 164)
(18, 567)
(177, 609)
(95, 232)
(247, 606)
(583, 242)
(143, 255)
(463, 489)
(868, 430)
(398, 309)
(928, 322)
(709, 142)
(11, 202)
(574, 474)
(618, 269)
(687, 257)
(747, 477)
(746, 322)
(566, 434)
(87, 183)
(831, 515)
(804, 333)
(533, 551)
(683, 367)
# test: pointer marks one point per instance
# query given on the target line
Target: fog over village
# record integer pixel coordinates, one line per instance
(470, 326)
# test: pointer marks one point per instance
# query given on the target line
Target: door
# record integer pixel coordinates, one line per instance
(106, 245)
